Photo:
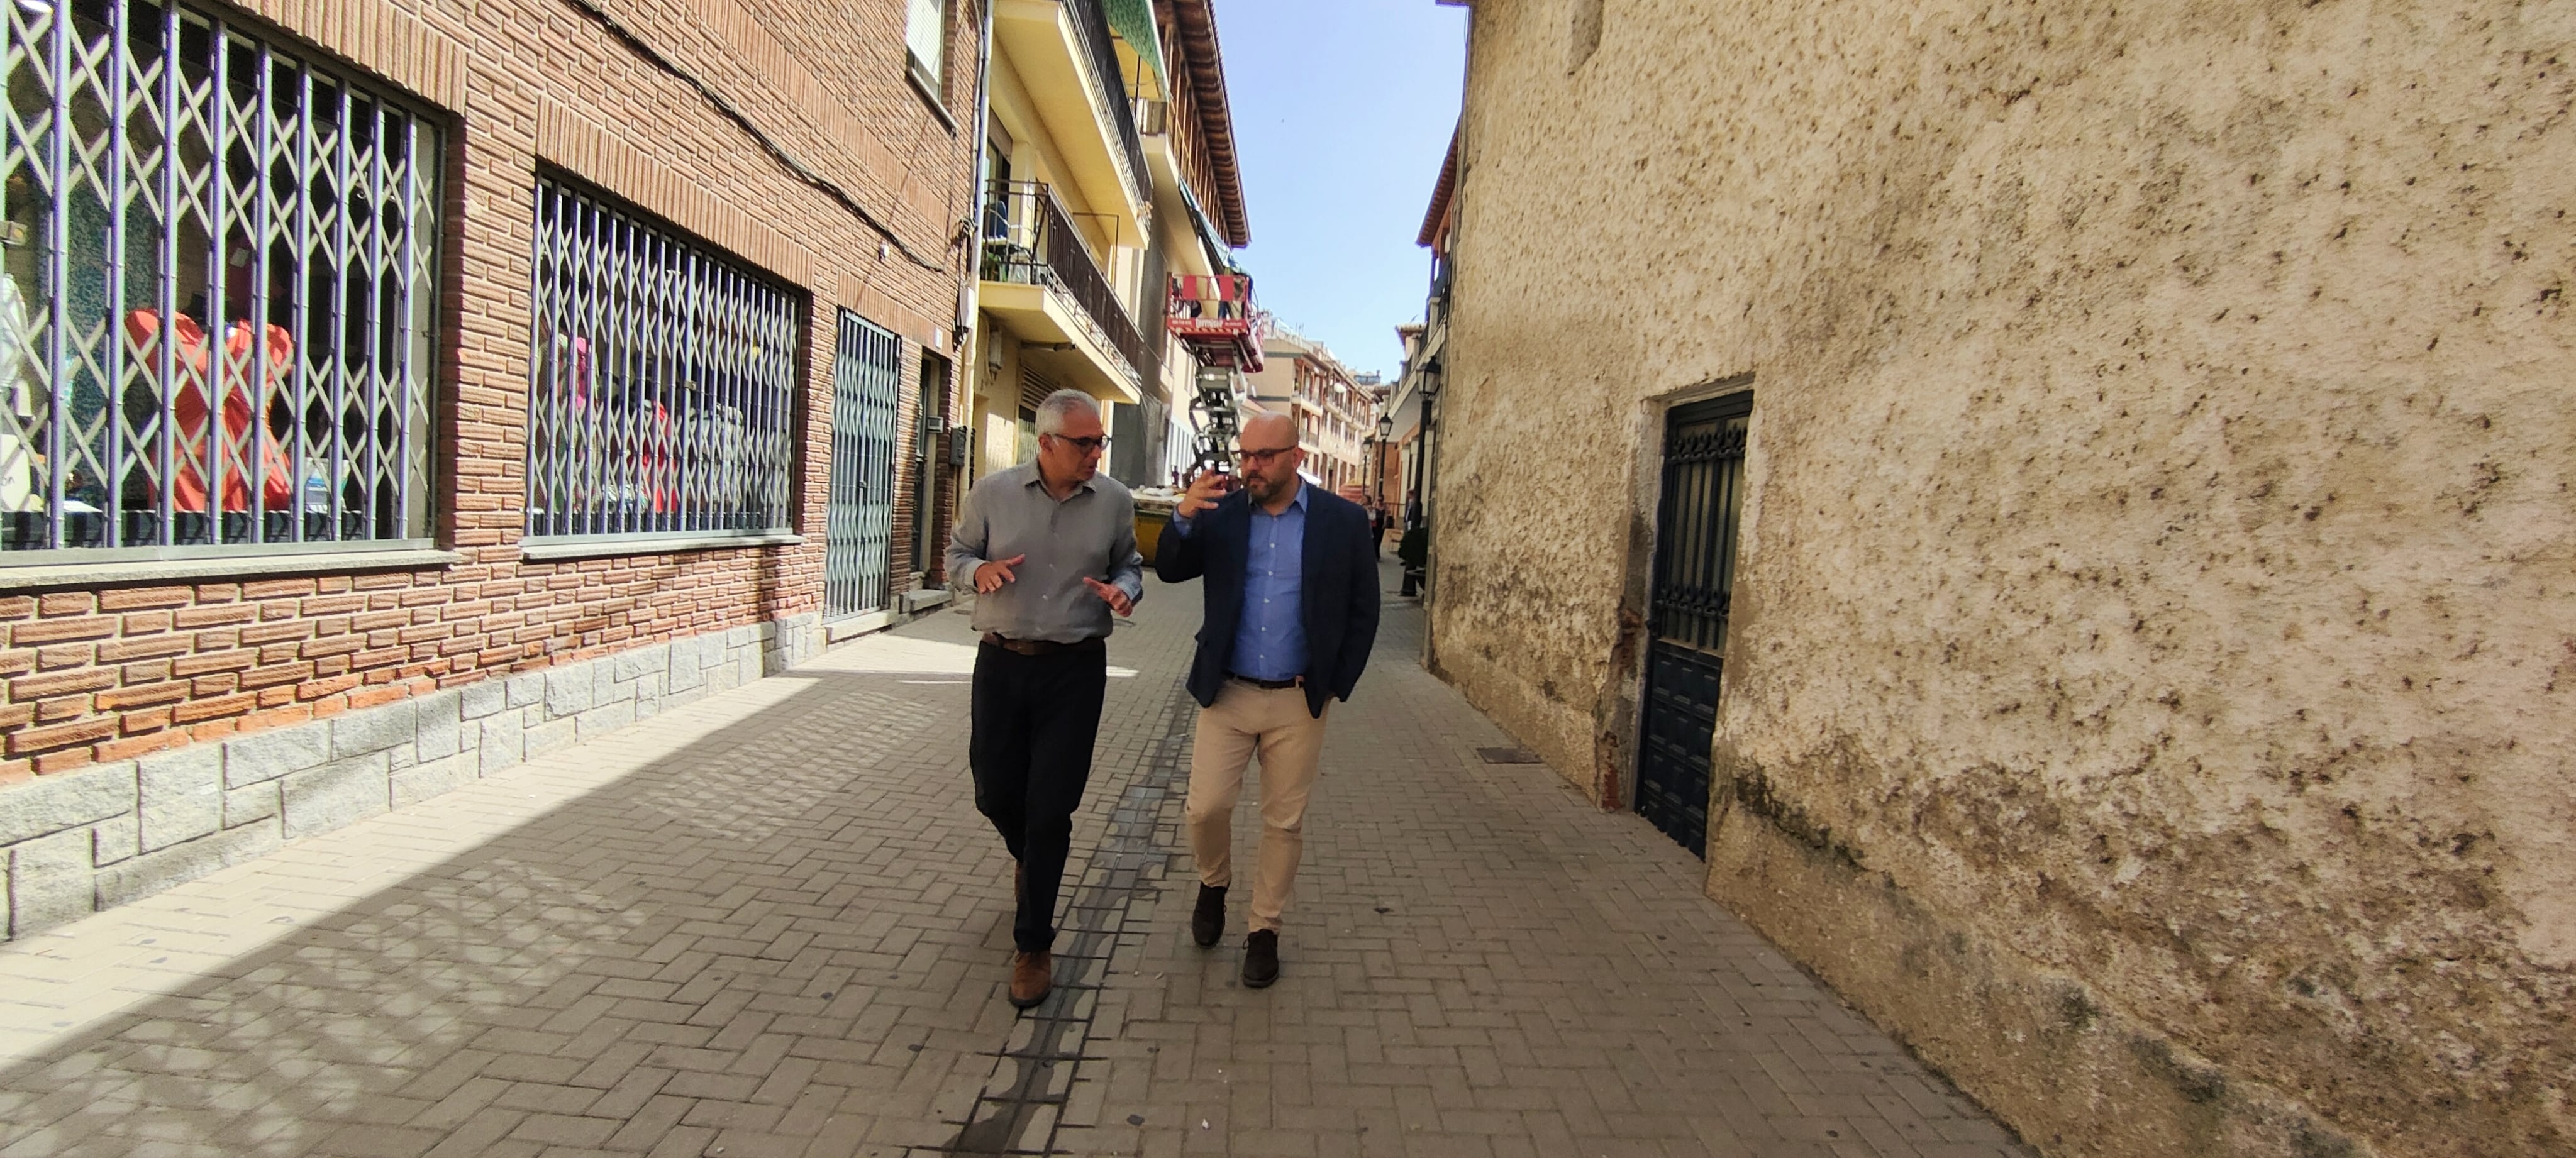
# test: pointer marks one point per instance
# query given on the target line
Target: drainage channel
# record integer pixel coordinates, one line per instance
(1022, 1104)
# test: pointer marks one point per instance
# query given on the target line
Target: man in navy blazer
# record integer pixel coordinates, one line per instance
(1292, 607)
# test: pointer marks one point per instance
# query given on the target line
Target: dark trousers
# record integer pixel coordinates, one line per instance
(1034, 718)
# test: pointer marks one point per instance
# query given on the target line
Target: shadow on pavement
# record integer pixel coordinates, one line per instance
(733, 938)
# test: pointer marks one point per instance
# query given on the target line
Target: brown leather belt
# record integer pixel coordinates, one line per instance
(1035, 646)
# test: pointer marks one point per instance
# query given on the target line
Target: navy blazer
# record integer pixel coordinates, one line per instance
(1339, 590)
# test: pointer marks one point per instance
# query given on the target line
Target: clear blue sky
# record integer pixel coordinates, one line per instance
(1342, 112)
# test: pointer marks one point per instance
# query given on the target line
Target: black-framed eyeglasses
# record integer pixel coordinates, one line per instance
(1085, 445)
(1253, 457)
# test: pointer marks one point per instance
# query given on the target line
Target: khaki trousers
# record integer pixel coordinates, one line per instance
(1272, 722)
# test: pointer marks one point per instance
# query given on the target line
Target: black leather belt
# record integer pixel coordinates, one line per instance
(1265, 685)
(1036, 646)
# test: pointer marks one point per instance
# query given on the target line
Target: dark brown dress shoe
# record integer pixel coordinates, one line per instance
(1032, 976)
(1207, 921)
(1260, 959)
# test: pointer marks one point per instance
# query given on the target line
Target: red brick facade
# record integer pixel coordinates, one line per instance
(99, 674)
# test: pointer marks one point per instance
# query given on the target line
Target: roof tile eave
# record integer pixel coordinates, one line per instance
(1441, 192)
(1205, 62)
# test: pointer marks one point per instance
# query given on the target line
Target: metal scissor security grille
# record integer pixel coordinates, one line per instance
(201, 222)
(664, 389)
(867, 380)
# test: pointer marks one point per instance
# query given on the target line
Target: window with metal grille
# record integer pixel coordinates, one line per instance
(663, 397)
(216, 315)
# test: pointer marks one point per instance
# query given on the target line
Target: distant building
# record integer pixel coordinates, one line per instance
(1110, 202)
(1335, 413)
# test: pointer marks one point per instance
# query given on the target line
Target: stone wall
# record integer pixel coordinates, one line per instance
(2153, 668)
(84, 840)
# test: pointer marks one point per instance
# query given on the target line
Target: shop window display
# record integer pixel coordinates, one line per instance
(663, 396)
(215, 332)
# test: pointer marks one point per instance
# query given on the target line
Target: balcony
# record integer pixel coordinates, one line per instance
(1040, 281)
(1216, 318)
(1062, 50)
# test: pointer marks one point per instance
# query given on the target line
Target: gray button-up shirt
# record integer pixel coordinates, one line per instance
(1091, 533)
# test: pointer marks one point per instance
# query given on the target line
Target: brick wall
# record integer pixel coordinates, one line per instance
(103, 675)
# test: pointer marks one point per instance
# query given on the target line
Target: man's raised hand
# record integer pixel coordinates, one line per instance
(1204, 491)
(990, 577)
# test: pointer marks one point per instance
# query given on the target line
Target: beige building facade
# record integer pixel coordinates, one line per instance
(2125, 455)
(1110, 200)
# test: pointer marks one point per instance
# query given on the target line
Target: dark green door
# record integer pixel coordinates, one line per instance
(1694, 577)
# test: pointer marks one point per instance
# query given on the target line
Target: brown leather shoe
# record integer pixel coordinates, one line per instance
(1032, 977)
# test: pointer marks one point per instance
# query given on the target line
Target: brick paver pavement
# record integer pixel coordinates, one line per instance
(771, 923)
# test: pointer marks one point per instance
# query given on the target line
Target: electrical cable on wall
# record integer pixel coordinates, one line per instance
(778, 152)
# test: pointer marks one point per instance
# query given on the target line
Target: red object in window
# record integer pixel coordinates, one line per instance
(188, 404)
(656, 454)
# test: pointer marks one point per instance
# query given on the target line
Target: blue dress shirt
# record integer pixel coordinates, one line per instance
(1270, 642)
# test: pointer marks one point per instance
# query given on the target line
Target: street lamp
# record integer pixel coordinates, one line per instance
(1377, 465)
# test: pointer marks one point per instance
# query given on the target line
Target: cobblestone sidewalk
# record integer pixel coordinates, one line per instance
(771, 923)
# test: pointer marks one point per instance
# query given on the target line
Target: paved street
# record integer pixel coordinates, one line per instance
(771, 923)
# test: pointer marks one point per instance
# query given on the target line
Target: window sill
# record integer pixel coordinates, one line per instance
(542, 549)
(929, 90)
(106, 573)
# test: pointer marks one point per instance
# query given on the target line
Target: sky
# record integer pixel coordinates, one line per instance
(1342, 112)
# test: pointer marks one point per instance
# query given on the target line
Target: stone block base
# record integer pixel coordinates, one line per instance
(77, 842)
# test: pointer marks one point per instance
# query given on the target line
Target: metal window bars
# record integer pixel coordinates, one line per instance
(1703, 499)
(662, 397)
(216, 314)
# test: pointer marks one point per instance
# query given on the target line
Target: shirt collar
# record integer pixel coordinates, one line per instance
(1037, 478)
(1299, 502)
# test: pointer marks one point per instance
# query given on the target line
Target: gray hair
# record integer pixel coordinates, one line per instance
(1060, 406)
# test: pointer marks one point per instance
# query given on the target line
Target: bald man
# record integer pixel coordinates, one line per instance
(1292, 608)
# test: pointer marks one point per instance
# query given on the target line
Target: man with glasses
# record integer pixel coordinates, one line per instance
(1051, 545)
(1292, 607)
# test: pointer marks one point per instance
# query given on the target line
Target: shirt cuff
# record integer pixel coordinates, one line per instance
(1181, 524)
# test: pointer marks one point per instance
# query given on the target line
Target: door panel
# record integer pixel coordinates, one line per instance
(858, 545)
(1701, 503)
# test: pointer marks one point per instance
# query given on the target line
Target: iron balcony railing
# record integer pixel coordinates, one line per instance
(1091, 22)
(1030, 239)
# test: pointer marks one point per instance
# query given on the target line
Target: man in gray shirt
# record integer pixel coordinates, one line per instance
(1051, 545)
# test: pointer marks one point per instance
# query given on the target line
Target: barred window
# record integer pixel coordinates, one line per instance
(664, 392)
(201, 220)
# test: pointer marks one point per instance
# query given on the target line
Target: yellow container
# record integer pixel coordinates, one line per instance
(1150, 522)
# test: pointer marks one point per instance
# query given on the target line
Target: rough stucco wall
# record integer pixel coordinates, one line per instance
(2154, 670)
